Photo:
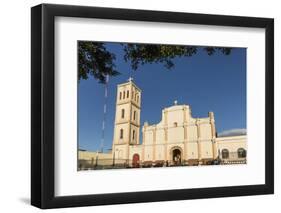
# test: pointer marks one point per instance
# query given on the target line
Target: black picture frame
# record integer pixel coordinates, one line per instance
(43, 102)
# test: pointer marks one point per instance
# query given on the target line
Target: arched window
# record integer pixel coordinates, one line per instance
(127, 93)
(121, 133)
(135, 115)
(123, 113)
(132, 94)
(137, 99)
(225, 153)
(120, 95)
(241, 153)
(134, 134)
(124, 93)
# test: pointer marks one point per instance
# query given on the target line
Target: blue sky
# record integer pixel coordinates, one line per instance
(206, 83)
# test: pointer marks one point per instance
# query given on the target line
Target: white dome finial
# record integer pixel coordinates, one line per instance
(130, 79)
(176, 102)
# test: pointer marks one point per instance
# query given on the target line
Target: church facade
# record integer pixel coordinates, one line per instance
(178, 139)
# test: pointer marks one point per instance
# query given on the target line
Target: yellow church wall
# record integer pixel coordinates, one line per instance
(148, 134)
(122, 94)
(192, 150)
(205, 131)
(125, 139)
(93, 157)
(232, 143)
(175, 114)
(126, 108)
(160, 152)
(136, 92)
(160, 136)
(134, 135)
(148, 153)
(192, 133)
(175, 134)
(135, 119)
(177, 128)
(135, 149)
(121, 151)
(86, 155)
(206, 150)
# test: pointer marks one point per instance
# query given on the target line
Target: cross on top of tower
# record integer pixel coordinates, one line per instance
(130, 79)
(176, 102)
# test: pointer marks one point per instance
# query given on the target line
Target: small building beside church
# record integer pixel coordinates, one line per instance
(178, 139)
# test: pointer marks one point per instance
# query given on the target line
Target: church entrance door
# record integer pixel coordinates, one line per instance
(136, 161)
(176, 154)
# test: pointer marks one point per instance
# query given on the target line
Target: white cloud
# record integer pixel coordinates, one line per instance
(232, 132)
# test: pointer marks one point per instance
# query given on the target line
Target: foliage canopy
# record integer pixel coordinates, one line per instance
(96, 60)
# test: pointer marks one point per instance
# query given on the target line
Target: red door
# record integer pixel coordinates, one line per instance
(136, 161)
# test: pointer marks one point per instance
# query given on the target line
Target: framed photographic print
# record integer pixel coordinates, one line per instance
(139, 106)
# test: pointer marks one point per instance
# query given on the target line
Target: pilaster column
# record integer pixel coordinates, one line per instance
(185, 143)
(184, 115)
(130, 129)
(185, 133)
(166, 144)
(154, 144)
(166, 133)
(143, 142)
(213, 129)
(198, 139)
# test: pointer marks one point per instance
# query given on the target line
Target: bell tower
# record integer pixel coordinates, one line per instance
(127, 119)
